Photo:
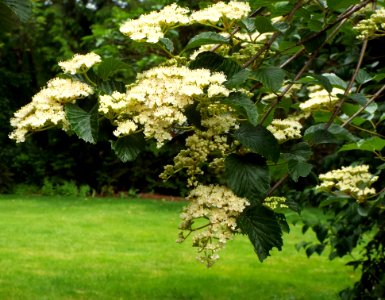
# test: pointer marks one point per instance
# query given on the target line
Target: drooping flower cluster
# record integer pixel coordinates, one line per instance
(371, 27)
(354, 181)
(152, 27)
(275, 202)
(80, 63)
(286, 129)
(47, 107)
(158, 98)
(233, 10)
(215, 208)
(320, 99)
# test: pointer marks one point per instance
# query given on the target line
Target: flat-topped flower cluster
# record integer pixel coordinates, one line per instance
(153, 26)
(354, 181)
(372, 27)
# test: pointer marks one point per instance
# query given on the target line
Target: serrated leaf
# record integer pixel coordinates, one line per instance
(249, 24)
(299, 152)
(264, 231)
(271, 77)
(128, 148)
(206, 38)
(168, 44)
(298, 169)
(371, 144)
(21, 8)
(259, 140)
(363, 77)
(247, 176)
(237, 79)
(215, 62)
(263, 24)
(84, 124)
(243, 105)
(317, 134)
(109, 66)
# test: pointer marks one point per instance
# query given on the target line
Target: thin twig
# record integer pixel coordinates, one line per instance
(349, 86)
(374, 97)
(277, 185)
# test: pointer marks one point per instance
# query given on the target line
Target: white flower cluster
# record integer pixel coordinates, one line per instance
(46, 108)
(354, 181)
(320, 99)
(275, 202)
(233, 10)
(286, 129)
(219, 207)
(80, 63)
(152, 27)
(200, 146)
(158, 98)
(372, 27)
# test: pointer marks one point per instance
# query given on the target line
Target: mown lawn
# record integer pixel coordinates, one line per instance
(72, 248)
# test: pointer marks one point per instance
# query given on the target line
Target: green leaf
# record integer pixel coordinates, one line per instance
(371, 144)
(335, 80)
(263, 24)
(317, 134)
(249, 24)
(168, 44)
(323, 81)
(299, 152)
(215, 62)
(363, 77)
(84, 124)
(298, 169)
(263, 230)
(259, 140)
(315, 43)
(128, 148)
(21, 8)
(109, 66)
(271, 77)
(247, 176)
(243, 105)
(206, 38)
(237, 79)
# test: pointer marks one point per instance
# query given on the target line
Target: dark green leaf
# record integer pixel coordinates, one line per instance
(249, 24)
(259, 140)
(21, 8)
(317, 134)
(263, 24)
(299, 152)
(335, 80)
(363, 77)
(216, 62)
(359, 98)
(313, 44)
(323, 81)
(340, 4)
(243, 105)
(109, 66)
(248, 176)
(128, 148)
(8, 18)
(263, 230)
(206, 38)
(237, 79)
(271, 77)
(84, 124)
(168, 44)
(298, 169)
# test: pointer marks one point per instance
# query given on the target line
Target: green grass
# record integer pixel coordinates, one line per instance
(71, 248)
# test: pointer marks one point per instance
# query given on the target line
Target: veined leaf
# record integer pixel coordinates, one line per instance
(215, 62)
(271, 77)
(299, 152)
(237, 79)
(335, 80)
(317, 134)
(128, 148)
(21, 8)
(298, 169)
(243, 105)
(263, 24)
(247, 176)
(263, 230)
(168, 44)
(206, 38)
(109, 66)
(84, 124)
(363, 77)
(371, 144)
(259, 140)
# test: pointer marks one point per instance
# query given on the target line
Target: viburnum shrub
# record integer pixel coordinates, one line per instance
(255, 96)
